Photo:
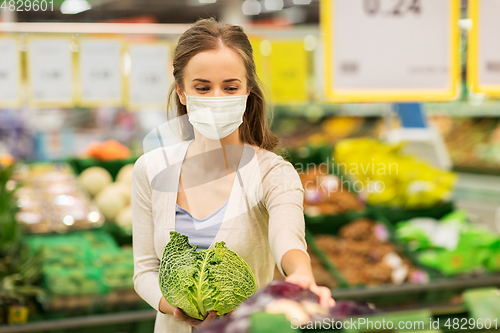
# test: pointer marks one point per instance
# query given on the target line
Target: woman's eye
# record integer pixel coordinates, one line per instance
(202, 89)
(232, 88)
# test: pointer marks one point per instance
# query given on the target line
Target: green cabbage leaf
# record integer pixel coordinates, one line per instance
(199, 282)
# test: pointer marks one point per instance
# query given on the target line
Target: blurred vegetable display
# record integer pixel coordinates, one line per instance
(109, 150)
(52, 201)
(82, 263)
(299, 131)
(391, 178)
(364, 255)
(473, 143)
(327, 194)
(451, 245)
(279, 305)
(112, 198)
(19, 273)
(10, 231)
(78, 269)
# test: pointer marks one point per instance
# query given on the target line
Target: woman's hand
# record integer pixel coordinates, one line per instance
(306, 281)
(179, 314)
(298, 267)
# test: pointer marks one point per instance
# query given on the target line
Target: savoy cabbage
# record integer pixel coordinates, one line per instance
(199, 282)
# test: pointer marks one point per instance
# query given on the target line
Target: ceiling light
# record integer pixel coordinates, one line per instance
(207, 1)
(74, 6)
(301, 2)
(295, 14)
(272, 5)
(251, 7)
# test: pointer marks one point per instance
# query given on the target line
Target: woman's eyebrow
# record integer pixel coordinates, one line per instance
(207, 81)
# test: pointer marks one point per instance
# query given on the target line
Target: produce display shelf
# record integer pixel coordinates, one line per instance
(440, 290)
(83, 322)
(456, 284)
(396, 214)
(478, 169)
(461, 108)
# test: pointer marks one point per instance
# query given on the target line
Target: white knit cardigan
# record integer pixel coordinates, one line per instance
(264, 217)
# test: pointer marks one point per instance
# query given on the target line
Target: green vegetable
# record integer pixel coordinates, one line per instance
(198, 282)
(118, 276)
(73, 281)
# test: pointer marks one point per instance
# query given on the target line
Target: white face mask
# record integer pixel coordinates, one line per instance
(216, 117)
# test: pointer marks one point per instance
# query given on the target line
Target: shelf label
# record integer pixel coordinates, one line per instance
(9, 72)
(51, 79)
(100, 75)
(483, 62)
(150, 77)
(390, 50)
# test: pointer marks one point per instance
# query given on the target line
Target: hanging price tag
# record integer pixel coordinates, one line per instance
(390, 50)
(10, 73)
(483, 63)
(51, 79)
(100, 75)
(150, 77)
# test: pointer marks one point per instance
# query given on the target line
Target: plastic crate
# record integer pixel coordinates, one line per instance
(397, 214)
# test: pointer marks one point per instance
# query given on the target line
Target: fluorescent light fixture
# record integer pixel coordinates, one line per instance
(251, 7)
(272, 5)
(207, 1)
(74, 6)
(301, 2)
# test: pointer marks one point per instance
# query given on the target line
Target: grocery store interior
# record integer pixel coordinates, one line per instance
(388, 111)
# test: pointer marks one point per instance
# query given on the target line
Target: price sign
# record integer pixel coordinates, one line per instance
(150, 77)
(10, 72)
(50, 71)
(288, 72)
(483, 63)
(100, 75)
(390, 50)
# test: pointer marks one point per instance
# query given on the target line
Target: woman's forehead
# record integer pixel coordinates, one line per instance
(220, 64)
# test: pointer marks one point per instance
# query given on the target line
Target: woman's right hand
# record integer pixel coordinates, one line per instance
(180, 315)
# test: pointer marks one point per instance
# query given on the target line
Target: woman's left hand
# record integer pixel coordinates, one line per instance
(306, 281)
(180, 315)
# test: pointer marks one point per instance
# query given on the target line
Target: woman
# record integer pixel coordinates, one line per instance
(223, 183)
